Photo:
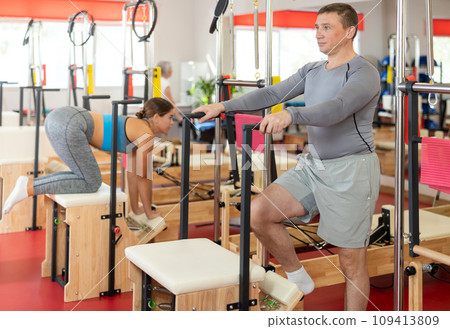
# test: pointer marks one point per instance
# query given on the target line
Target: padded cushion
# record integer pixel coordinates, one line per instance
(17, 143)
(431, 225)
(21, 160)
(87, 199)
(279, 288)
(10, 119)
(190, 265)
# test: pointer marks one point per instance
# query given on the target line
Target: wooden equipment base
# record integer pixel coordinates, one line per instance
(207, 300)
(88, 252)
(326, 271)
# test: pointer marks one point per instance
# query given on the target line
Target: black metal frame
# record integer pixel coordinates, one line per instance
(36, 172)
(1, 97)
(244, 261)
(126, 80)
(73, 84)
(113, 198)
(412, 88)
(87, 98)
(185, 163)
(65, 271)
(413, 166)
(382, 233)
(146, 292)
(244, 267)
(21, 89)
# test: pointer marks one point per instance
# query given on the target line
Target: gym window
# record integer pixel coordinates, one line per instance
(54, 50)
(441, 48)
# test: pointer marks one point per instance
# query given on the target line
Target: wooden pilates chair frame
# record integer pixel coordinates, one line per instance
(77, 256)
(246, 293)
(88, 231)
(14, 171)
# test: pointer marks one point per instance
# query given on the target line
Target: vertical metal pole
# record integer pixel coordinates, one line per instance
(244, 260)
(74, 85)
(39, 60)
(233, 60)
(151, 55)
(148, 88)
(399, 160)
(217, 131)
(84, 59)
(268, 137)
(66, 255)
(185, 159)
(69, 81)
(37, 113)
(112, 203)
(126, 82)
(34, 91)
(54, 241)
(124, 27)
(417, 55)
(429, 31)
(21, 106)
(413, 167)
(256, 34)
(1, 101)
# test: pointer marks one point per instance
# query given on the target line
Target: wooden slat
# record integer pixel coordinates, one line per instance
(325, 271)
(214, 299)
(171, 194)
(234, 239)
(415, 288)
(89, 250)
(433, 255)
(135, 275)
(203, 174)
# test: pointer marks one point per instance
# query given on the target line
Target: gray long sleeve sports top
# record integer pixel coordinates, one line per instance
(340, 105)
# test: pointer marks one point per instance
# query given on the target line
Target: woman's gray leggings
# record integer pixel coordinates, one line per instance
(69, 130)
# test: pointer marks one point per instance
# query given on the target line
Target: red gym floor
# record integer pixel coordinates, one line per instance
(22, 288)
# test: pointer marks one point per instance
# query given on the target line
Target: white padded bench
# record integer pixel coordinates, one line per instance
(100, 197)
(432, 225)
(17, 159)
(201, 275)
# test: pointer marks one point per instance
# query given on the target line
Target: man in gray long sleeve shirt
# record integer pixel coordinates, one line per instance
(339, 115)
(341, 176)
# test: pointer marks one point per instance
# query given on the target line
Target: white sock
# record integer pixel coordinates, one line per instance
(302, 279)
(18, 194)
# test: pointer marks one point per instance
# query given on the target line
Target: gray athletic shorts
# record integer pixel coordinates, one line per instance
(343, 190)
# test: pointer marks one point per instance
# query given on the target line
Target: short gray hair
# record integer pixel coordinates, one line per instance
(165, 67)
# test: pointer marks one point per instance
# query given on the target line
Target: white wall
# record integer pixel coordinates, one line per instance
(182, 34)
(205, 43)
(175, 37)
(416, 17)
